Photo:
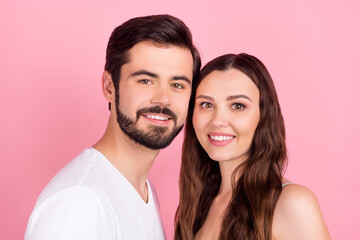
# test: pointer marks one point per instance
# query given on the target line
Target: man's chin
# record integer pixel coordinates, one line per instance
(156, 130)
(154, 143)
(149, 135)
(157, 138)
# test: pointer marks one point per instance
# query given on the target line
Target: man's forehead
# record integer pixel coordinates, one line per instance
(159, 59)
(151, 46)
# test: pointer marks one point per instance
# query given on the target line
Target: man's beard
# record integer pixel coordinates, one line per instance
(155, 138)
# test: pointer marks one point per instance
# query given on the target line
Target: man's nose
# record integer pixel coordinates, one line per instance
(161, 96)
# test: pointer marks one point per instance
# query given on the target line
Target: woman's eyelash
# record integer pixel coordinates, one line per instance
(206, 105)
(235, 106)
(238, 106)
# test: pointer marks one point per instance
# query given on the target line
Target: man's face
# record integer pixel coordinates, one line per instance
(154, 93)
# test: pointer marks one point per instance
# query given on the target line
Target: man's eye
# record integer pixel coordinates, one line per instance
(206, 105)
(177, 85)
(145, 81)
(238, 106)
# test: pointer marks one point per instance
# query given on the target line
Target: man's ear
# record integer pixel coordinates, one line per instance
(108, 87)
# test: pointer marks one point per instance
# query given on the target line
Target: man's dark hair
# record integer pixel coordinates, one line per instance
(160, 29)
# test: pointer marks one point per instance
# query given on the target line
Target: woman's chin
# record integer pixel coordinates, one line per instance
(228, 158)
(221, 157)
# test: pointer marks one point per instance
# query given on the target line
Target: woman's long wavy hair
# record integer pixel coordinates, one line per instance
(250, 211)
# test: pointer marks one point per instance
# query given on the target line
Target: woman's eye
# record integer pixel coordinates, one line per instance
(238, 106)
(206, 105)
(177, 85)
(145, 81)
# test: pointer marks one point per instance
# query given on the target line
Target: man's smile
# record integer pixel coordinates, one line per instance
(159, 119)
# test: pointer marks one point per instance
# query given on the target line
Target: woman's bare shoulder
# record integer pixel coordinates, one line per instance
(298, 215)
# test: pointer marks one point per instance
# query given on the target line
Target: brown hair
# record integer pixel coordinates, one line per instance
(250, 211)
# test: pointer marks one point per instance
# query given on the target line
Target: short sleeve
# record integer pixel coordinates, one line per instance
(69, 214)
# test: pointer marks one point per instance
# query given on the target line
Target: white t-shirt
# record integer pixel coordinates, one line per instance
(90, 199)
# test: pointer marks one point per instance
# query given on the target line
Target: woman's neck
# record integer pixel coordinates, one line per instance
(227, 169)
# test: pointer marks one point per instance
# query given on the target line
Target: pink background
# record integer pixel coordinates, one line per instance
(52, 57)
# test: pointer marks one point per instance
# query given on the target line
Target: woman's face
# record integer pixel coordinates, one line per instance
(226, 114)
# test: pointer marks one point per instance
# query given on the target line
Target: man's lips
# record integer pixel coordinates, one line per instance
(157, 113)
(157, 116)
(159, 119)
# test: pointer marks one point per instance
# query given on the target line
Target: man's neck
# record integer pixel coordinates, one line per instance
(132, 160)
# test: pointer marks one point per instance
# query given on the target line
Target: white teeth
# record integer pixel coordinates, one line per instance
(157, 117)
(221, 138)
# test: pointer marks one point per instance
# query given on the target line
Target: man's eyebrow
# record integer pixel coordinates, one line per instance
(154, 75)
(183, 77)
(144, 72)
(205, 97)
(229, 98)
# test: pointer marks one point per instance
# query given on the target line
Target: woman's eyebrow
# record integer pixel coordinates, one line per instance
(205, 97)
(232, 97)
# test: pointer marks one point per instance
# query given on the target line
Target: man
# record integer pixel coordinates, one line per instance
(104, 193)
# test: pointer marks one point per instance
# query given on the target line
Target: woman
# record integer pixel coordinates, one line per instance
(234, 154)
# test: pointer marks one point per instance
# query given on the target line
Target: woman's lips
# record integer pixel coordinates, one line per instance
(220, 139)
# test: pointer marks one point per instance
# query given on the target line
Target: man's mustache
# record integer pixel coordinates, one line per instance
(156, 109)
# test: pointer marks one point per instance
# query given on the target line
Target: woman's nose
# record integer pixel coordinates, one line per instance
(221, 118)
